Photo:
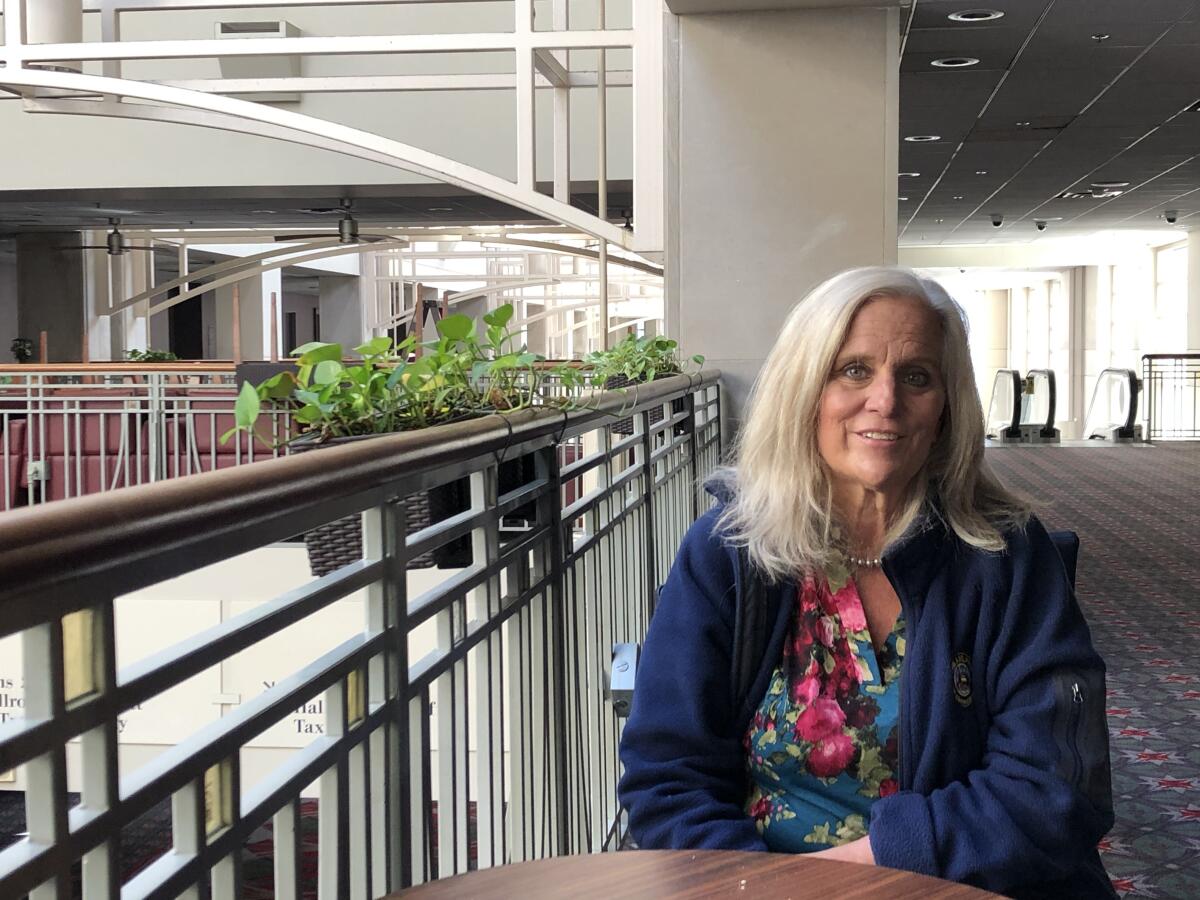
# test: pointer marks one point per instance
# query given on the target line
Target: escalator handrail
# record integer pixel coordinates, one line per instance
(1014, 422)
(1130, 376)
(1047, 429)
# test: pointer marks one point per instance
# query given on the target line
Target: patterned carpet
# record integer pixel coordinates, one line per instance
(1137, 512)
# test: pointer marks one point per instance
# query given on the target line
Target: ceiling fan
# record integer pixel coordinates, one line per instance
(347, 229)
(114, 244)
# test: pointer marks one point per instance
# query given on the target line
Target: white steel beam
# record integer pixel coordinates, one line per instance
(391, 83)
(353, 45)
(550, 68)
(227, 113)
(150, 5)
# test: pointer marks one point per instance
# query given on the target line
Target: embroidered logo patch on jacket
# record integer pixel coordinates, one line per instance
(960, 668)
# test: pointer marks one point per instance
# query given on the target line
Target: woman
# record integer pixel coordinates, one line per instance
(870, 649)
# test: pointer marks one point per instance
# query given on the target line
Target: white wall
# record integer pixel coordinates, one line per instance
(474, 127)
(341, 311)
(302, 305)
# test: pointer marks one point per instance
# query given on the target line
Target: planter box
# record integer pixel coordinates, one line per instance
(337, 543)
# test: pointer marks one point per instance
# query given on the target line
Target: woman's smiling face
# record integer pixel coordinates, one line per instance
(882, 404)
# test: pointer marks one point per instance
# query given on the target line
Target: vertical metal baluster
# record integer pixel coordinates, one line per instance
(45, 775)
(227, 873)
(444, 688)
(513, 735)
(99, 771)
(285, 826)
(485, 549)
(379, 777)
(333, 822)
(187, 830)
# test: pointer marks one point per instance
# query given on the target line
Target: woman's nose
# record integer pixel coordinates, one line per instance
(882, 398)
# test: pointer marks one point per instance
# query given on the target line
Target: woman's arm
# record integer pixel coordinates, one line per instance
(684, 785)
(1040, 799)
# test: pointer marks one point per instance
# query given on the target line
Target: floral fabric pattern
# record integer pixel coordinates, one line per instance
(822, 746)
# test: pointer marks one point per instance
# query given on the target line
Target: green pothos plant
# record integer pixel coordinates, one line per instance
(459, 375)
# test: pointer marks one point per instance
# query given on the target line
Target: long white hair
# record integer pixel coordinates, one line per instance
(780, 504)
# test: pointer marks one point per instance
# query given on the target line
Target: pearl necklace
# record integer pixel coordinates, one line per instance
(862, 563)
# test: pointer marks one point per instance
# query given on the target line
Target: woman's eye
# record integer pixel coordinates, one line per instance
(917, 379)
(855, 371)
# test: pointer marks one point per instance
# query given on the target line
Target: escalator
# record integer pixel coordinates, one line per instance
(1022, 410)
(1112, 412)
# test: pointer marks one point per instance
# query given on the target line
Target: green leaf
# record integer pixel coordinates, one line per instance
(500, 315)
(309, 415)
(327, 371)
(698, 359)
(397, 376)
(374, 347)
(246, 407)
(277, 387)
(456, 327)
(314, 352)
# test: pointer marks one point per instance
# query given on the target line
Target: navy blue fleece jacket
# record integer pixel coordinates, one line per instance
(1004, 768)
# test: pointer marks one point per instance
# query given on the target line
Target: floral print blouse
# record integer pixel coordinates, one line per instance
(821, 747)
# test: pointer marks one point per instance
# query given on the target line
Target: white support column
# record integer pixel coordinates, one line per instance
(526, 161)
(1193, 291)
(755, 224)
(271, 282)
(562, 112)
(648, 127)
(602, 126)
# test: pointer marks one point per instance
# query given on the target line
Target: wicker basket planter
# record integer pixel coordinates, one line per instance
(625, 426)
(335, 544)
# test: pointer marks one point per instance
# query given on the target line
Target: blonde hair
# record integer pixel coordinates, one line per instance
(780, 504)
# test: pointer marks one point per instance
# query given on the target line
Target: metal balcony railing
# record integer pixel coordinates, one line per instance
(1172, 385)
(504, 722)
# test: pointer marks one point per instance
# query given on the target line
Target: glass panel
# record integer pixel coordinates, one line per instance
(80, 664)
(218, 797)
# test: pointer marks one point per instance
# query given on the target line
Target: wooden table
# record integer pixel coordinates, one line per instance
(692, 873)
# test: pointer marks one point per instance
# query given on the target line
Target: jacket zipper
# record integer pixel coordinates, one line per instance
(1073, 731)
(902, 717)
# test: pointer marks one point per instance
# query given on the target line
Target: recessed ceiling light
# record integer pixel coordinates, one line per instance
(954, 62)
(938, 221)
(441, 209)
(1110, 184)
(976, 15)
(958, 196)
(1100, 37)
(1074, 195)
(901, 198)
(981, 171)
(1024, 124)
(910, 174)
(923, 138)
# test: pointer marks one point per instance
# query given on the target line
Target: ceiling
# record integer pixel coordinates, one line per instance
(1052, 106)
(1066, 93)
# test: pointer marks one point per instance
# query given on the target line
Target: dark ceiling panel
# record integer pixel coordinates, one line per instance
(954, 90)
(1085, 13)
(1034, 93)
(998, 43)
(1017, 13)
(1166, 64)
